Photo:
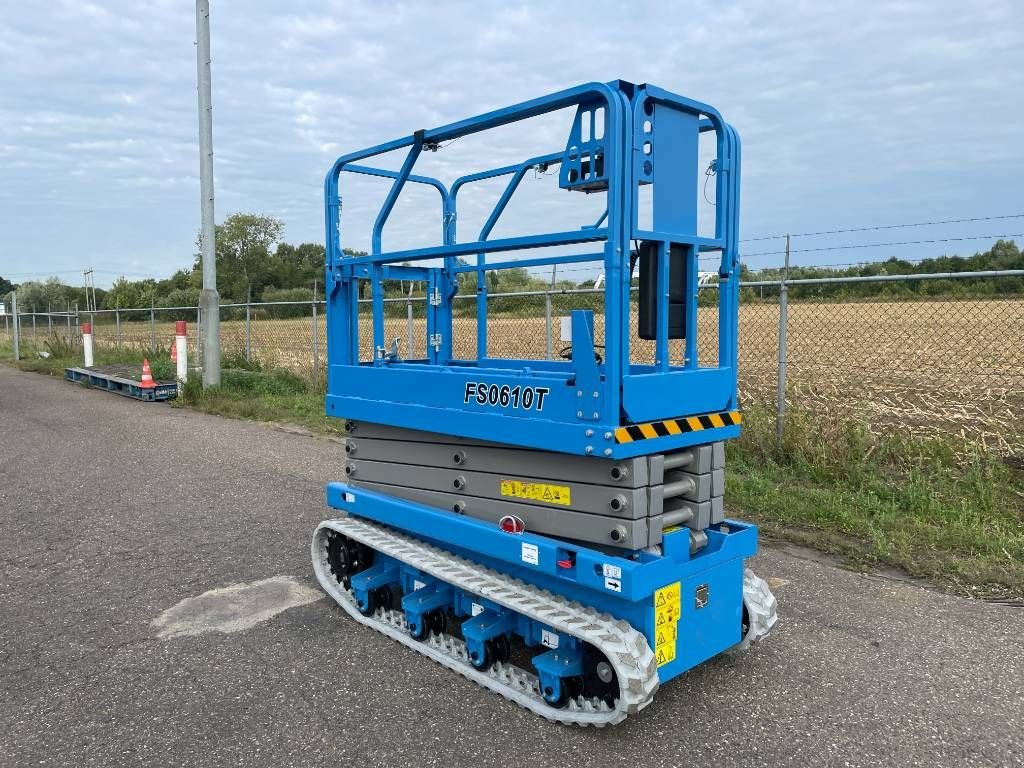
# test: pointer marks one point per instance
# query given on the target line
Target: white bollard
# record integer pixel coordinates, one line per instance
(87, 343)
(181, 349)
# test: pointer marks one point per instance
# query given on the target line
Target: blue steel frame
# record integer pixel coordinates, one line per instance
(650, 136)
(703, 632)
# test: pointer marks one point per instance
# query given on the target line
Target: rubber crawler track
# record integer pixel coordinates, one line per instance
(625, 648)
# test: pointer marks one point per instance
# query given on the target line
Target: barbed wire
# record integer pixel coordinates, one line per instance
(879, 227)
(882, 245)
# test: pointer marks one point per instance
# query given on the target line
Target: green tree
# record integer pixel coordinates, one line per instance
(244, 243)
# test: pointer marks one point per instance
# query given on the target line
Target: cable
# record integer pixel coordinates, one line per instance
(886, 226)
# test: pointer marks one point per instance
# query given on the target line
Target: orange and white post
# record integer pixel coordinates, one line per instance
(181, 350)
(87, 343)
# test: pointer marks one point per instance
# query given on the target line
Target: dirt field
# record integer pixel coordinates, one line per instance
(926, 366)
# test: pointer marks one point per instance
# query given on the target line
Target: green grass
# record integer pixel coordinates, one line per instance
(64, 355)
(939, 509)
(275, 396)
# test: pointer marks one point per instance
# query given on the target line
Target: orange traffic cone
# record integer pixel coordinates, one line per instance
(174, 352)
(147, 376)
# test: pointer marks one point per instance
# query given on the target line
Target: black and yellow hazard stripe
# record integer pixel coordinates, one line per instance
(670, 427)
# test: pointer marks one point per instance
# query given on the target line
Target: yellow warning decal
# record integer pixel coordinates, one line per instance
(666, 618)
(549, 494)
(670, 427)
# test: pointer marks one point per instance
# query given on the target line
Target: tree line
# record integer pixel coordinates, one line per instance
(255, 264)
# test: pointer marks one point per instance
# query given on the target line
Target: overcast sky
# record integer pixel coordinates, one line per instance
(852, 113)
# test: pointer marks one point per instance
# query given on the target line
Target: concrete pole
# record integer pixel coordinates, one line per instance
(209, 299)
(780, 395)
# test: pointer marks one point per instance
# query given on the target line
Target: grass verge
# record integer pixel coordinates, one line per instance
(275, 395)
(937, 508)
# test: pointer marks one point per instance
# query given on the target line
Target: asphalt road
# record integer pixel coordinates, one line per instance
(112, 511)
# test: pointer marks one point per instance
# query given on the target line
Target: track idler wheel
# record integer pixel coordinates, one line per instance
(346, 558)
(599, 677)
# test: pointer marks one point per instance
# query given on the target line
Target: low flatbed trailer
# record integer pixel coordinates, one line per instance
(117, 378)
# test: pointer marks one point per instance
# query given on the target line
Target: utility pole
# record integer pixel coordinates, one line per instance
(209, 300)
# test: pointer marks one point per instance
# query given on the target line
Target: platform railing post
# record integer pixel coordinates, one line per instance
(780, 395)
(547, 325)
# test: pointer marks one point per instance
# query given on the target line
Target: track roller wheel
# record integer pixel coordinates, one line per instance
(432, 621)
(376, 598)
(499, 649)
(496, 649)
(484, 661)
(570, 688)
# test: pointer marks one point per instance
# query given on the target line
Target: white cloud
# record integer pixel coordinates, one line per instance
(851, 113)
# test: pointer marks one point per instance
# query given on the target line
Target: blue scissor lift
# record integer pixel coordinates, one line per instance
(550, 528)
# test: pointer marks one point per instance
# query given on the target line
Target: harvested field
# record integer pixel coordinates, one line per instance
(927, 367)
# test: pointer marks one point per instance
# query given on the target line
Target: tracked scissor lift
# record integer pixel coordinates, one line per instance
(551, 529)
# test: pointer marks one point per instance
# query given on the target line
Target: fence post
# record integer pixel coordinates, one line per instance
(152, 323)
(69, 319)
(34, 334)
(316, 338)
(49, 318)
(248, 325)
(408, 324)
(117, 324)
(17, 326)
(199, 335)
(547, 325)
(780, 395)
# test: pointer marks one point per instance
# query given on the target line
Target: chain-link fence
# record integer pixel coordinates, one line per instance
(921, 363)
